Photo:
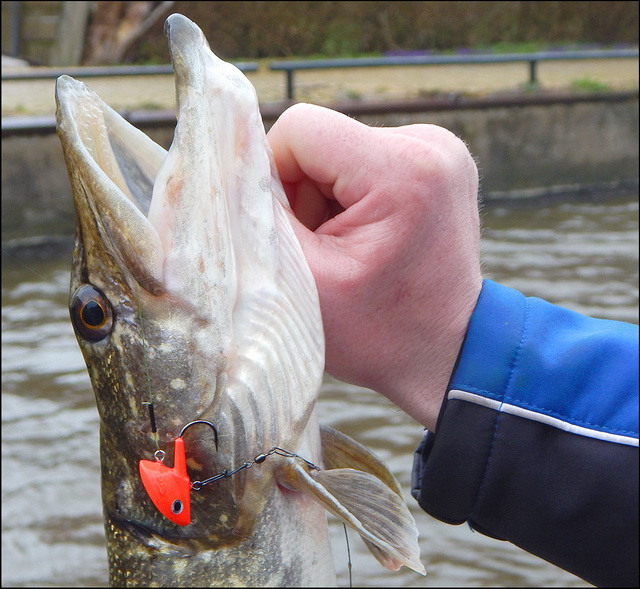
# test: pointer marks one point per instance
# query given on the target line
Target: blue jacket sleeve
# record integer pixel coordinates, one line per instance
(537, 441)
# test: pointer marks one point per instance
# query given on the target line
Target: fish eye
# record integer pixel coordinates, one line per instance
(176, 507)
(91, 313)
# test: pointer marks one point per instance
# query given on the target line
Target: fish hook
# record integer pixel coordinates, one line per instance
(169, 488)
(215, 431)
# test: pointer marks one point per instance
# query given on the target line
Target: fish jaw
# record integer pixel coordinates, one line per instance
(112, 188)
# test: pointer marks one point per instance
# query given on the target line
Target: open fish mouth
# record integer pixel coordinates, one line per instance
(156, 209)
(122, 164)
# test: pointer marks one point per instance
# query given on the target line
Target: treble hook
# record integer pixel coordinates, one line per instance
(215, 431)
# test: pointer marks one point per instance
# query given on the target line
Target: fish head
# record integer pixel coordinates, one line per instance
(189, 292)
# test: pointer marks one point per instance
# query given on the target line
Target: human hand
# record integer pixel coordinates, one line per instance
(388, 220)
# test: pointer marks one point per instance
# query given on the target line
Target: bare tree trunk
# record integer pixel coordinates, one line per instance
(116, 26)
(70, 34)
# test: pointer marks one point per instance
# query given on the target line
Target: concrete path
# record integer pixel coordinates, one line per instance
(329, 86)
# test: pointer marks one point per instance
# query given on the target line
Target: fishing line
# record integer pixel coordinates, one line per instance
(149, 403)
(6, 252)
(346, 537)
(259, 459)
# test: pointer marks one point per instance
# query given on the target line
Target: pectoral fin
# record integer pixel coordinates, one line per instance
(369, 506)
(341, 451)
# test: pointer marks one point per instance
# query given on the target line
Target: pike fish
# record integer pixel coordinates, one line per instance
(190, 295)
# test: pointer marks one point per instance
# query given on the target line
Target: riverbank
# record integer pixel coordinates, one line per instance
(553, 143)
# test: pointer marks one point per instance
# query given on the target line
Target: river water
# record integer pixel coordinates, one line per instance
(583, 255)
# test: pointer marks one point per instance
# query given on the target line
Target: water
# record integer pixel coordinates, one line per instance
(581, 255)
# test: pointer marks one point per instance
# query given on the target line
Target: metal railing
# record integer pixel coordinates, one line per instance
(290, 67)
(36, 73)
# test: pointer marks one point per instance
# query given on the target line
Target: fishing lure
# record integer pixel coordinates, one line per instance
(169, 488)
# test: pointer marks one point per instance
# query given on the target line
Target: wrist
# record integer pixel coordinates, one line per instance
(420, 376)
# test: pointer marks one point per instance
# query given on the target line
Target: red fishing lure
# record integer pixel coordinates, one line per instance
(170, 488)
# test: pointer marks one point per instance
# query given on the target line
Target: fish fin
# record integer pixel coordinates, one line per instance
(369, 506)
(341, 451)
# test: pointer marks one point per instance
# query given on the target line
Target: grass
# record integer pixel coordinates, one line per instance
(150, 105)
(529, 87)
(587, 84)
(353, 94)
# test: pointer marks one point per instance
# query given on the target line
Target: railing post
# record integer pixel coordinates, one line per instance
(14, 29)
(290, 84)
(532, 73)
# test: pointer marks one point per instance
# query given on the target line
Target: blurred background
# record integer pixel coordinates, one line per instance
(559, 193)
(91, 33)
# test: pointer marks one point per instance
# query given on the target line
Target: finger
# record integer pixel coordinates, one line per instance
(439, 139)
(322, 145)
(309, 203)
(423, 131)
